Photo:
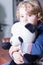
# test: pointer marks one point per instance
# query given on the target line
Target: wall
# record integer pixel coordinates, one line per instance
(6, 17)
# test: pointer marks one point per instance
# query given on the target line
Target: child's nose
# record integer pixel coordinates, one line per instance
(26, 19)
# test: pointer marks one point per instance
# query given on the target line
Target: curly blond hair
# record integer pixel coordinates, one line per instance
(31, 6)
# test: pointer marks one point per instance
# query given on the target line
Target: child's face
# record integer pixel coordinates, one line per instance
(27, 17)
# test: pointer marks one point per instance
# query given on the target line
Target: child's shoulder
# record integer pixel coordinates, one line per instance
(40, 27)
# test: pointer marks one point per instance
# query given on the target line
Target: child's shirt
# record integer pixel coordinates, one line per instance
(37, 47)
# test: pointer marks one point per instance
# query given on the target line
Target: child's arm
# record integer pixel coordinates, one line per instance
(37, 47)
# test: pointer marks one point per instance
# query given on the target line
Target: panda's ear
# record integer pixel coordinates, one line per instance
(30, 27)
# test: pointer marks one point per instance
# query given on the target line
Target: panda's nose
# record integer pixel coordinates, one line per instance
(20, 39)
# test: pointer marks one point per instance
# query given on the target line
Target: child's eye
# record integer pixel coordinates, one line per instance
(22, 16)
(30, 15)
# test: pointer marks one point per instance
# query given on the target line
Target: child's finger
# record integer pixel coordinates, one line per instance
(21, 53)
(18, 58)
(13, 49)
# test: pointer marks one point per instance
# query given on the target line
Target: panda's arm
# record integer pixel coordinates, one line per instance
(6, 45)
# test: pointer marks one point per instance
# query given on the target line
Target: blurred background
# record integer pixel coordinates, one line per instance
(7, 16)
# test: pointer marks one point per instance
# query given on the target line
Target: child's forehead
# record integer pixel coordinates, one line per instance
(22, 11)
(25, 5)
(29, 8)
(22, 7)
(26, 8)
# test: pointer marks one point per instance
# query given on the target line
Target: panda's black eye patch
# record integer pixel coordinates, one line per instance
(21, 40)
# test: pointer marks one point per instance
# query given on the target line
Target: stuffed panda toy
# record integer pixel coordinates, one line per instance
(22, 35)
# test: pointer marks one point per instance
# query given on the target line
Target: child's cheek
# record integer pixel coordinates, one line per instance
(32, 20)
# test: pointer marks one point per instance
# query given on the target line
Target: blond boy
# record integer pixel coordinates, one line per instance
(31, 12)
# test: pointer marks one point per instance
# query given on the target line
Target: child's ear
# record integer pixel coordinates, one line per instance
(40, 16)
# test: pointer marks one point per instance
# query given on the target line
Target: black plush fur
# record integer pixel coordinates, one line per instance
(6, 45)
(30, 27)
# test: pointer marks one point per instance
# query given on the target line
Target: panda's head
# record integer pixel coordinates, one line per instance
(30, 28)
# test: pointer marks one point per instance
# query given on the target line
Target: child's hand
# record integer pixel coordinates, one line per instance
(17, 56)
(13, 49)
